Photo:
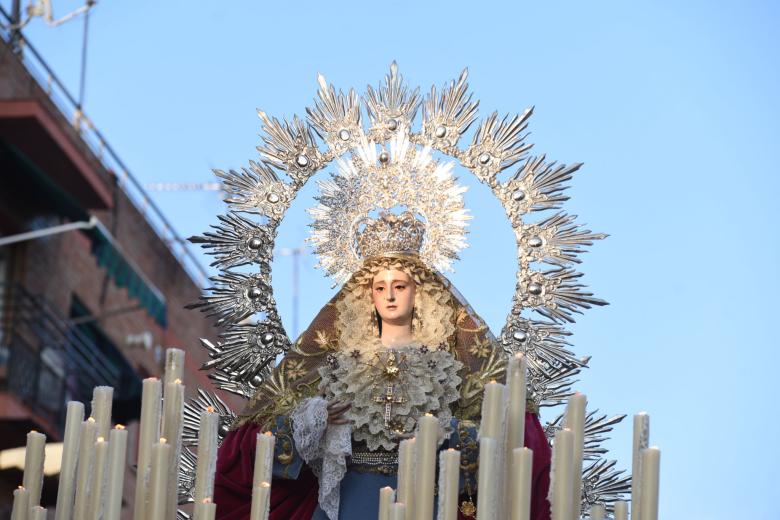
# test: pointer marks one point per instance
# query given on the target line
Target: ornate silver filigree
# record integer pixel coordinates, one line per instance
(372, 181)
(193, 410)
(555, 294)
(256, 189)
(603, 484)
(290, 147)
(238, 241)
(391, 107)
(236, 296)
(381, 167)
(246, 350)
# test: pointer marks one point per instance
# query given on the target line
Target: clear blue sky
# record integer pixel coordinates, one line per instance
(672, 106)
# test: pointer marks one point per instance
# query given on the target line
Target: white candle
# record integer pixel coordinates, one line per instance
(102, 397)
(70, 454)
(651, 463)
(398, 511)
(87, 440)
(97, 486)
(21, 504)
(407, 455)
(597, 512)
(515, 421)
(37, 513)
(621, 510)
(641, 441)
(486, 482)
(33, 466)
(148, 434)
(117, 462)
(575, 421)
(205, 510)
(493, 411)
(174, 365)
(264, 452)
(427, 443)
(449, 474)
(516, 411)
(172, 422)
(261, 501)
(207, 455)
(386, 497)
(562, 478)
(520, 483)
(158, 482)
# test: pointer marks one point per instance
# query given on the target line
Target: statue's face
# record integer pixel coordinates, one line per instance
(393, 295)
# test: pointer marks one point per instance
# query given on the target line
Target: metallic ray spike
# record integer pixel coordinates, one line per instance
(187, 468)
(392, 107)
(362, 185)
(448, 115)
(536, 186)
(553, 388)
(497, 145)
(596, 428)
(195, 407)
(291, 147)
(236, 296)
(231, 383)
(543, 344)
(603, 484)
(335, 117)
(256, 189)
(556, 240)
(238, 241)
(554, 294)
(247, 349)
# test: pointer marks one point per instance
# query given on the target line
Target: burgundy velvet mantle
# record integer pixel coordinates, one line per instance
(297, 499)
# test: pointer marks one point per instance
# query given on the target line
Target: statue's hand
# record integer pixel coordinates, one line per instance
(336, 411)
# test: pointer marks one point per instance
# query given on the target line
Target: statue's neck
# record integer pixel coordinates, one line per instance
(396, 335)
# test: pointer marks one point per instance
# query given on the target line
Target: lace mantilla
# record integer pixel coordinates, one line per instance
(390, 388)
(324, 448)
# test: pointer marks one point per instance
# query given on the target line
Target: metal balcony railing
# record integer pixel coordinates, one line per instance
(48, 361)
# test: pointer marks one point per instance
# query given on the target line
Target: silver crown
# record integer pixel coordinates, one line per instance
(390, 233)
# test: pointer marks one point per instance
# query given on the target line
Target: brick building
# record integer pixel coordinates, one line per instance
(90, 292)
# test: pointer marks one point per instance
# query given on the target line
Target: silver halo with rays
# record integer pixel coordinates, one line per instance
(381, 180)
(293, 151)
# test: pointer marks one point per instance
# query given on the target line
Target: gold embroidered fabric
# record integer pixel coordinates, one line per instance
(345, 324)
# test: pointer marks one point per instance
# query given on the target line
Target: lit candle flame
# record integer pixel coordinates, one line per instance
(119, 427)
(163, 440)
(101, 439)
(177, 381)
(210, 409)
(91, 419)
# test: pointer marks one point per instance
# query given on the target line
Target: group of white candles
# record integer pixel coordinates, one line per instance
(94, 458)
(505, 465)
(504, 477)
(93, 468)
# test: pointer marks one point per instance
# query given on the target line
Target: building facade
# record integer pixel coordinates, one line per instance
(92, 287)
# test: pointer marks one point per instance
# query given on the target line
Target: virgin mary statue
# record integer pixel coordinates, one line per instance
(397, 341)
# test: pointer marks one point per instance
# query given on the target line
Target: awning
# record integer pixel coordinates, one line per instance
(125, 273)
(29, 189)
